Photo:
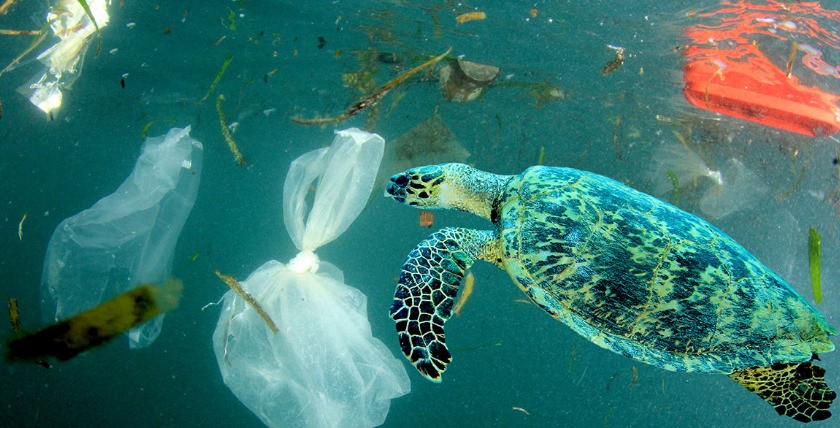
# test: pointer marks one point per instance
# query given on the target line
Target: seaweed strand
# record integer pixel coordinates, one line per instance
(237, 288)
(372, 99)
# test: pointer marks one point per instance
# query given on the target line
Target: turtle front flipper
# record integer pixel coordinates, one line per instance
(797, 390)
(426, 291)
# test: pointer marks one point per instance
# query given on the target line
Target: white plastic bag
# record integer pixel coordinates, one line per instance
(126, 238)
(323, 368)
(70, 22)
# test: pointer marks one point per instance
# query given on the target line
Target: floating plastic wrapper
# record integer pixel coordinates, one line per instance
(763, 61)
(126, 238)
(463, 81)
(323, 368)
(74, 28)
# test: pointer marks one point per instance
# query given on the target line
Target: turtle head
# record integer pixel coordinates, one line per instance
(418, 186)
(449, 185)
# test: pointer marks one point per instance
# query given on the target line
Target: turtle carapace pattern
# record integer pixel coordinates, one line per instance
(627, 271)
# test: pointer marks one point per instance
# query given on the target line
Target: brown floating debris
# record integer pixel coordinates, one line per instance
(14, 315)
(463, 81)
(240, 160)
(372, 99)
(791, 59)
(616, 63)
(97, 325)
(237, 288)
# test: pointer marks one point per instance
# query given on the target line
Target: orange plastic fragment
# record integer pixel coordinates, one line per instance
(727, 72)
(470, 16)
(427, 218)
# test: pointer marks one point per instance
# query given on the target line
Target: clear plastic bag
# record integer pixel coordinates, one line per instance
(72, 25)
(323, 368)
(126, 238)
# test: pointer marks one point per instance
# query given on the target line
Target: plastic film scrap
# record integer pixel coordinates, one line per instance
(126, 238)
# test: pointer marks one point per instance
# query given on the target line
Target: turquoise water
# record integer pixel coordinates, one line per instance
(507, 354)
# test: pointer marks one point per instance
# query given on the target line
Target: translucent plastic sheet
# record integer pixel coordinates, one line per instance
(126, 238)
(62, 61)
(323, 368)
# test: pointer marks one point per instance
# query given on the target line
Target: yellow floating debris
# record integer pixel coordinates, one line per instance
(4, 8)
(470, 16)
(20, 32)
(98, 325)
(466, 291)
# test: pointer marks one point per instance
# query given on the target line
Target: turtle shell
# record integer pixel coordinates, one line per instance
(645, 279)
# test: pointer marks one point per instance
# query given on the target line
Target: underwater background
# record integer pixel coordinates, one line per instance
(512, 364)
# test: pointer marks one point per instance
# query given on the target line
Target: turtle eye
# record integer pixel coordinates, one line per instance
(401, 180)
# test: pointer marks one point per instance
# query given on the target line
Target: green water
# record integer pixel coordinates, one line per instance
(55, 169)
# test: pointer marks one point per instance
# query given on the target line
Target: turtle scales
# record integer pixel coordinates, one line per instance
(627, 271)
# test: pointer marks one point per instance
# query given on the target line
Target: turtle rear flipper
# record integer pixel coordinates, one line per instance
(426, 291)
(797, 390)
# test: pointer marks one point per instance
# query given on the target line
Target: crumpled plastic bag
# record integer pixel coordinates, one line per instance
(62, 61)
(126, 238)
(323, 368)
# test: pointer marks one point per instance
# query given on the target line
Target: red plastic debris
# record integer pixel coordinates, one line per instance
(728, 73)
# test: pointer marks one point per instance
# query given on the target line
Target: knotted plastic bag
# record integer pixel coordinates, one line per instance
(126, 238)
(323, 368)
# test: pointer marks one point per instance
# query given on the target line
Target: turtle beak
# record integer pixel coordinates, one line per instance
(396, 187)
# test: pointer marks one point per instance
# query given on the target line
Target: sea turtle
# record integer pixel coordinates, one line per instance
(627, 271)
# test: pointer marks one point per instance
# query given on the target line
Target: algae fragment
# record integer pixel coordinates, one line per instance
(814, 260)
